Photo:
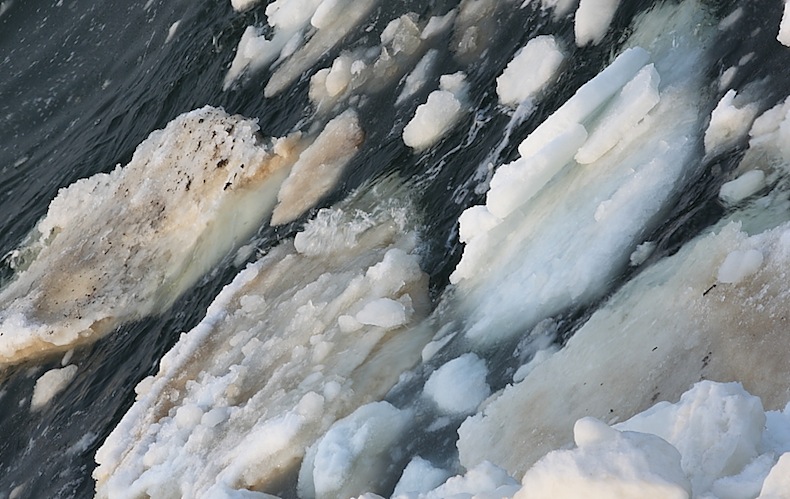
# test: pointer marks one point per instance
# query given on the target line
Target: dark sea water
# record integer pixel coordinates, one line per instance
(82, 83)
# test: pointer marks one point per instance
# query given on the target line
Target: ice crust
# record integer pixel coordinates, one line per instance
(122, 245)
(241, 396)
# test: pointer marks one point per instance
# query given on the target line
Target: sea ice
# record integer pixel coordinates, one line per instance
(532, 68)
(459, 386)
(148, 231)
(438, 114)
(278, 359)
(728, 123)
(784, 26)
(592, 20)
(50, 384)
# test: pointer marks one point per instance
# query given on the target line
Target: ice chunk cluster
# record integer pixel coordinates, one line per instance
(716, 441)
(302, 31)
(317, 328)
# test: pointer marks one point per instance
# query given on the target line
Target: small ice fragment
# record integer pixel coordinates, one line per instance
(383, 312)
(742, 187)
(459, 386)
(784, 26)
(530, 70)
(740, 264)
(592, 20)
(50, 384)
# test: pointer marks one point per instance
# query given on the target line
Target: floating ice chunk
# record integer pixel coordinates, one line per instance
(326, 13)
(731, 19)
(592, 20)
(438, 115)
(739, 265)
(278, 359)
(516, 183)
(784, 26)
(401, 35)
(727, 77)
(242, 5)
(591, 96)
(319, 167)
(50, 384)
(532, 68)
(438, 24)
(254, 52)
(746, 185)
(459, 386)
(172, 31)
(129, 242)
(291, 15)
(608, 463)
(561, 7)
(476, 220)
(728, 123)
(339, 20)
(628, 108)
(419, 476)
(383, 312)
(352, 456)
(339, 76)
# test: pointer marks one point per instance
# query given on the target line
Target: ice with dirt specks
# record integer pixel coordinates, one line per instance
(147, 232)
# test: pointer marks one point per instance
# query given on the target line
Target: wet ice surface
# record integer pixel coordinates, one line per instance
(325, 369)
